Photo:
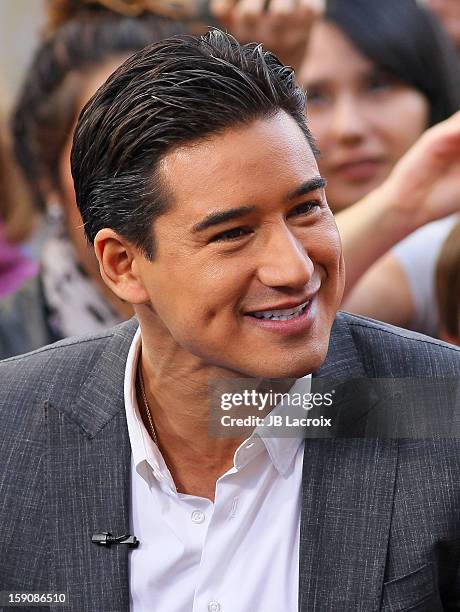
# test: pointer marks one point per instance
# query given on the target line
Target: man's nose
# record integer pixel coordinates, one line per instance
(284, 261)
(347, 122)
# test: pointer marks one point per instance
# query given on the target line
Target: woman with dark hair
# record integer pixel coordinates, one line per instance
(378, 74)
(85, 43)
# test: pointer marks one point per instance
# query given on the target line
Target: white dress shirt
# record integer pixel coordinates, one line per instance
(236, 554)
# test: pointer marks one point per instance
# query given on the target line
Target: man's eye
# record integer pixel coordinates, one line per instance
(305, 209)
(229, 235)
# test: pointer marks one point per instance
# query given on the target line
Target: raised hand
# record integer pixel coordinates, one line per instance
(282, 26)
(425, 183)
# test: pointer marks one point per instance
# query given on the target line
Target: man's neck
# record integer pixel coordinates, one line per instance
(180, 423)
(178, 400)
(177, 390)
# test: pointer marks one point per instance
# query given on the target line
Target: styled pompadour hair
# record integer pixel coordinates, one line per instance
(169, 94)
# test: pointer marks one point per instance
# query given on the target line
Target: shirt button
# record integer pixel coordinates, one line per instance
(214, 606)
(250, 445)
(198, 517)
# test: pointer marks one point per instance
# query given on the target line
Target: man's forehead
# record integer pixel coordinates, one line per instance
(242, 159)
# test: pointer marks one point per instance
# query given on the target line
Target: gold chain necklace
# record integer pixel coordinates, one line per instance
(145, 402)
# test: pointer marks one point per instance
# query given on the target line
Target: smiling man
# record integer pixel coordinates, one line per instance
(197, 183)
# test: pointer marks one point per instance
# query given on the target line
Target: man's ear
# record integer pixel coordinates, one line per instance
(118, 265)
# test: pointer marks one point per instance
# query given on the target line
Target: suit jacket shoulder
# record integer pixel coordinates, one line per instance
(62, 366)
(80, 377)
(393, 352)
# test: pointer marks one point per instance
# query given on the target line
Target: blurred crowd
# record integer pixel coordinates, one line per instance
(383, 87)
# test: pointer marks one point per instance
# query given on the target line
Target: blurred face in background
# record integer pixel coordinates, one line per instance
(91, 82)
(364, 119)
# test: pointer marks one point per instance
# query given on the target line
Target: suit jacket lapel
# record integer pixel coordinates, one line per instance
(88, 479)
(347, 501)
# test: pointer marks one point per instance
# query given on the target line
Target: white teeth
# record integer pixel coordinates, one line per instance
(281, 315)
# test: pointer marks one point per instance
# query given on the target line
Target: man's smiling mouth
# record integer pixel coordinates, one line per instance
(281, 315)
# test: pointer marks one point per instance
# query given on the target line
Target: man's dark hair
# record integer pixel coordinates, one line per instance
(170, 94)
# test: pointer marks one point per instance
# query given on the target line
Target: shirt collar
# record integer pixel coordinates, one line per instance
(281, 449)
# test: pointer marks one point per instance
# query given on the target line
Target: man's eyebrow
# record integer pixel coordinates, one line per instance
(216, 218)
(318, 182)
(219, 217)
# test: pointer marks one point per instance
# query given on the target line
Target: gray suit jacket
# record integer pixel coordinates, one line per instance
(380, 526)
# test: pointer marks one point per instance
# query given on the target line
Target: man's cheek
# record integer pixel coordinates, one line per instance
(332, 239)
